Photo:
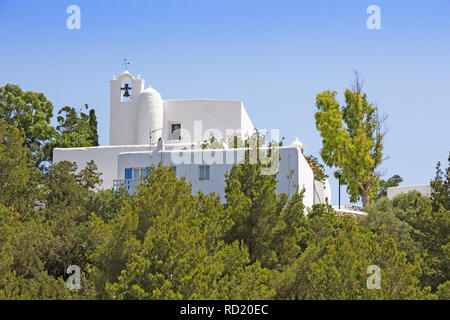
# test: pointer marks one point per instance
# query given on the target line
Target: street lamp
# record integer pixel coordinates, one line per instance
(339, 176)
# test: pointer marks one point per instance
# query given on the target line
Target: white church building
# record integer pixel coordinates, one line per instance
(146, 130)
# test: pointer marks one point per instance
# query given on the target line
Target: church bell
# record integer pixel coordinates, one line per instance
(126, 94)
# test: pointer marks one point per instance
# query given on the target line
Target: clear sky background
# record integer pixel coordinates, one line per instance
(275, 56)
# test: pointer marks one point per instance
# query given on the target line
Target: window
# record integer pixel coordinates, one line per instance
(204, 173)
(135, 173)
(175, 131)
(139, 173)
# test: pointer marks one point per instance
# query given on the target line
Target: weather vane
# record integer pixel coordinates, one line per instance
(126, 64)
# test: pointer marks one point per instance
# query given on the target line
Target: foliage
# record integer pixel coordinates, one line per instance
(317, 168)
(336, 268)
(76, 129)
(30, 112)
(422, 225)
(165, 242)
(266, 222)
(393, 181)
(22, 266)
(16, 186)
(440, 187)
(352, 140)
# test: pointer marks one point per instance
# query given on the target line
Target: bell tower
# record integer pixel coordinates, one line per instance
(124, 101)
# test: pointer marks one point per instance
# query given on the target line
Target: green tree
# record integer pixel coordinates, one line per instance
(107, 203)
(430, 231)
(31, 113)
(17, 184)
(66, 217)
(175, 264)
(421, 224)
(75, 129)
(383, 217)
(336, 268)
(22, 265)
(444, 291)
(168, 244)
(393, 181)
(352, 140)
(266, 222)
(317, 168)
(322, 222)
(114, 243)
(89, 177)
(440, 187)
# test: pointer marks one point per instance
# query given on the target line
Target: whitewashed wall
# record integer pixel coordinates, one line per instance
(306, 180)
(112, 160)
(106, 158)
(214, 114)
(293, 169)
(123, 115)
(246, 123)
(424, 189)
(327, 191)
(130, 123)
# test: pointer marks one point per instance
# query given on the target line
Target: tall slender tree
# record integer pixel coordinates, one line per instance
(352, 139)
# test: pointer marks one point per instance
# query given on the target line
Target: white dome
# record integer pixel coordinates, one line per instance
(151, 91)
(149, 117)
(297, 143)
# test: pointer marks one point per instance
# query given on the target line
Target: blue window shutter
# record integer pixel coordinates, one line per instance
(128, 173)
(146, 171)
(175, 169)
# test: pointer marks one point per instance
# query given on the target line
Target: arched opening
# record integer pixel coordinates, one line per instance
(125, 90)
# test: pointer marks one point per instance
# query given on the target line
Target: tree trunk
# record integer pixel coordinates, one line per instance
(365, 198)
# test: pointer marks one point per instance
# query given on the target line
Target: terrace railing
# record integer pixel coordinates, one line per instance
(127, 184)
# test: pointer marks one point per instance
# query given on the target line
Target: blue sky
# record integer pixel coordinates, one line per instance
(275, 56)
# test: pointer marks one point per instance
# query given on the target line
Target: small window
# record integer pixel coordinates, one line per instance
(139, 173)
(175, 131)
(204, 173)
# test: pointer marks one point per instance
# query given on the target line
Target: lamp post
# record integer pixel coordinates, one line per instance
(339, 175)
